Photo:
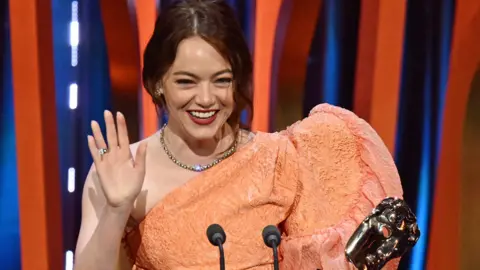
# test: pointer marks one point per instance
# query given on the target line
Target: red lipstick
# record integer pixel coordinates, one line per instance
(203, 121)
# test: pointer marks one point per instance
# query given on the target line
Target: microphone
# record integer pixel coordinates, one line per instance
(216, 236)
(272, 238)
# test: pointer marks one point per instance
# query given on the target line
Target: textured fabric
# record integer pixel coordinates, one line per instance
(317, 180)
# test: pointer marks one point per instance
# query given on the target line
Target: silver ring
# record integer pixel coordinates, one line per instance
(102, 151)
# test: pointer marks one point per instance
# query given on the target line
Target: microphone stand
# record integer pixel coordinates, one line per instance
(275, 254)
(216, 235)
(272, 238)
(222, 255)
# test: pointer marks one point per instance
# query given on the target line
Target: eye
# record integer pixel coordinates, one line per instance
(185, 83)
(223, 82)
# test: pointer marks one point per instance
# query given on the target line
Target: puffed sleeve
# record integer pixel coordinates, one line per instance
(345, 171)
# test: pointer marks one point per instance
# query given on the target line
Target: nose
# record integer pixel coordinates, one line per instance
(205, 96)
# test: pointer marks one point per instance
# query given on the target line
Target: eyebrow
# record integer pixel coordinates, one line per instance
(181, 72)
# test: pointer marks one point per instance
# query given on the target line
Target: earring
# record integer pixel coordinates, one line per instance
(159, 92)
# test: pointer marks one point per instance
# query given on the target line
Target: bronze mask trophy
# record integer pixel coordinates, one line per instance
(387, 233)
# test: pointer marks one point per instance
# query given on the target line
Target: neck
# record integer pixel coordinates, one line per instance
(190, 150)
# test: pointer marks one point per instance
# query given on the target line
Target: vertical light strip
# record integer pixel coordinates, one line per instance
(74, 34)
(69, 260)
(73, 103)
(73, 96)
(71, 180)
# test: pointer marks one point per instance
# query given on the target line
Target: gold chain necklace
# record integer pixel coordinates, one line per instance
(197, 167)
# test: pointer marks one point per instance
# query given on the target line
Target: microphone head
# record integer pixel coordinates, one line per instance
(271, 236)
(216, 234)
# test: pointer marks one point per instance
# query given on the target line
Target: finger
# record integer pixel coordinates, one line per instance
(97, 135)
(111, 131)
(93, 150)
(141, 156)
(123, 139)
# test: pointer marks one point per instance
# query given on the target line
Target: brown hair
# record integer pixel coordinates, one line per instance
(216, 23)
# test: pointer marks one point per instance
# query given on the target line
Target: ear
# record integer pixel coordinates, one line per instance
(159, 89)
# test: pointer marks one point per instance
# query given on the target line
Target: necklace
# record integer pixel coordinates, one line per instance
(197, 167)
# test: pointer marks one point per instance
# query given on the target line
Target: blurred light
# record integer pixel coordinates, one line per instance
(71, 180)
(73, 96)
(74, 56)
(69, 260)
(74, 10)
(74, 34)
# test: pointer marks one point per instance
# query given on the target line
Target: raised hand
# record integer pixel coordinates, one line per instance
(121, 177)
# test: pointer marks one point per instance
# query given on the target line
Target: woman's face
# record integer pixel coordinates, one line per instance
(198, 89)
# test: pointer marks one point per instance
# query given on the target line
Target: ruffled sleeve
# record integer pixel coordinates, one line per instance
(345, 171)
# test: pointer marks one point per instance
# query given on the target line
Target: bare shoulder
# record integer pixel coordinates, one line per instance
(149, 140)
(134, 146)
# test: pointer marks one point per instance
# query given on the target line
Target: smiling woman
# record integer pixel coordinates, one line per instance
(197, 90)
(197, 47)
(316, 181)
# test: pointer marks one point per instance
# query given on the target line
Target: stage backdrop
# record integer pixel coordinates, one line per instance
(406, 67)
(9, 220)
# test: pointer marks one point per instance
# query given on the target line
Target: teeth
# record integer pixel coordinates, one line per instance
(202, 114)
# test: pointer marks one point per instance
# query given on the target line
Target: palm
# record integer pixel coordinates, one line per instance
(120, 176)
(121, 181)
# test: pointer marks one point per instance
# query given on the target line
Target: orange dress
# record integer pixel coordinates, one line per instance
(317, 181)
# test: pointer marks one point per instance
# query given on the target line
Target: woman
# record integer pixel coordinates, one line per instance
(147, 205)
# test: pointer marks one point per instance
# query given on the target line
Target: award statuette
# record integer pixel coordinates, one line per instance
(387, 233)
